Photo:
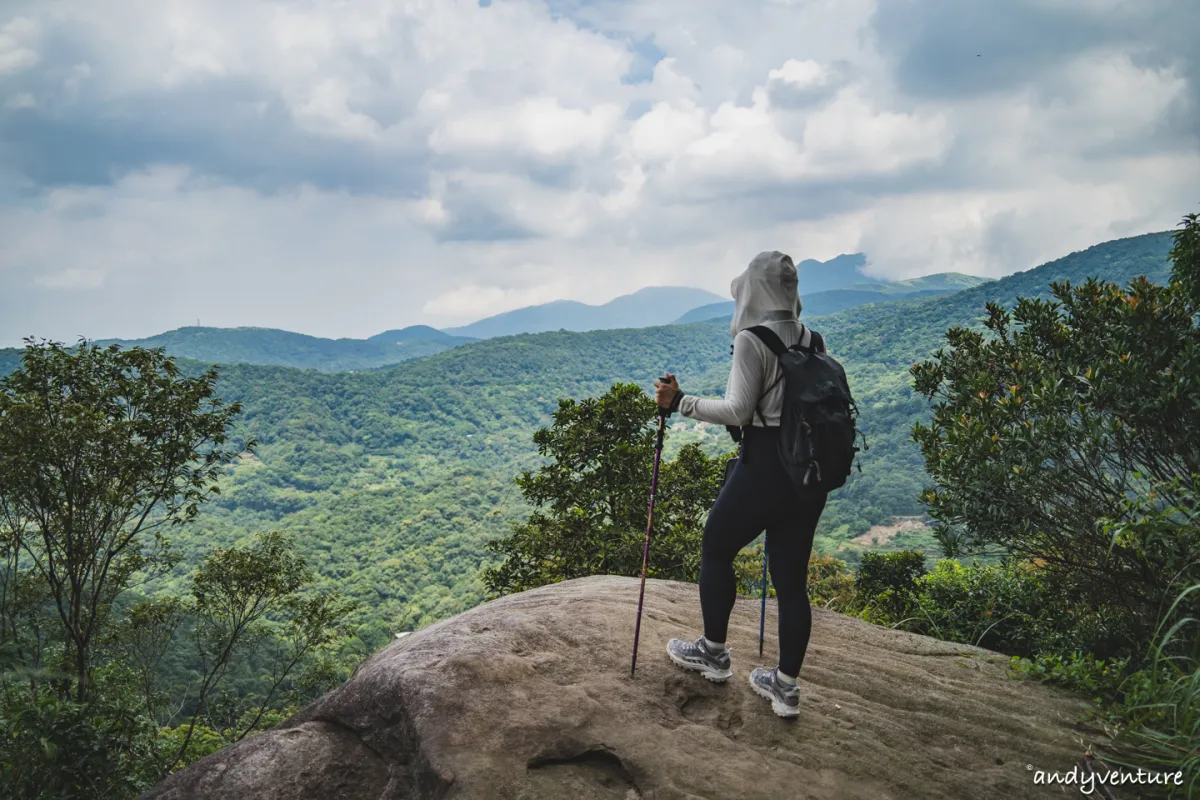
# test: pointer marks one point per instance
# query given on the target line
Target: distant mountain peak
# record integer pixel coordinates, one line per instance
(650, 305)
(417, 333)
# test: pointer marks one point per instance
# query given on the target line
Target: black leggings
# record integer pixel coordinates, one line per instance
(760, 497)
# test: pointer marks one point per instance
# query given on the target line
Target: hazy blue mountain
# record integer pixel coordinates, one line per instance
(831, 301)
(273, 347)
(708, 313)
(840, 272)
(414, 333)
(10, 359)
(655, 305)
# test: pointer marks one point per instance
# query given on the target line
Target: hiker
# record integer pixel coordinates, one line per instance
(759, 495)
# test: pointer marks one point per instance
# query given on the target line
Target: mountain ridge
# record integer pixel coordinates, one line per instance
(635, 309)
(276, 347)
(419, 333)
(393, 480)
(830, 301)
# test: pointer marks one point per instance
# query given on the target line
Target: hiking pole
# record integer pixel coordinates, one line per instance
(762, 613)
(637, 631)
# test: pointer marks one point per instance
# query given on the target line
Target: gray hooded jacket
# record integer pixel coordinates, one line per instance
(765, 294)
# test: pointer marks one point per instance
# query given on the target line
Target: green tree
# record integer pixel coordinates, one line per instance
(101, 450)
(249, 600)
(1044, 431)
(590, 499)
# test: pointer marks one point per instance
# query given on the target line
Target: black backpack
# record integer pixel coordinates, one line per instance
(818, 436)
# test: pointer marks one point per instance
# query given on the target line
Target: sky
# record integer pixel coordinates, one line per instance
(343, 168)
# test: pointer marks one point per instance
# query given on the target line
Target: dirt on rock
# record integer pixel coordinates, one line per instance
(530, 697)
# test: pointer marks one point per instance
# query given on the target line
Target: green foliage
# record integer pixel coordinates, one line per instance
(1050, 428)
(100, 450)
(1185, 258)
(249, 600)
(1013, 607)
(194, 741)
(393, 481)
(830, 583)
(1005, 608)
(59, 748)
(887, 582)
(1074, 442)
(1162, 528)
(1100, 679)
(1161, 712)
(590, 499)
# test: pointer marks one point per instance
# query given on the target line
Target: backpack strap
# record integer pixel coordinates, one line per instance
(771, 340)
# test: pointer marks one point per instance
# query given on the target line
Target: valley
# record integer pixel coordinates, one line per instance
(393, 479)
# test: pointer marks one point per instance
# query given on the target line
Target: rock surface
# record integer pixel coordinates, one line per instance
(530, 697)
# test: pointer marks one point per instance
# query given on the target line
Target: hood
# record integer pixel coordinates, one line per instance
(765, 292)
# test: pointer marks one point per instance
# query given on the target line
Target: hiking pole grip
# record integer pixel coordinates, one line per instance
(637, 630)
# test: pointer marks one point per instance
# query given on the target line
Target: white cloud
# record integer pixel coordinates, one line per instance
(346, 168)
(665, 131)
(850, 137)
(16, 50)
(802, 74)
(538, 127)
(1105, 97)
(1002, 231)
(479, 301)
(325, 109)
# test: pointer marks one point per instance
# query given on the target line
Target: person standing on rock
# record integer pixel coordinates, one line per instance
(758, 496)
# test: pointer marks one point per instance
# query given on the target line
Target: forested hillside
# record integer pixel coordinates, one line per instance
(269, 346)
(393, 480)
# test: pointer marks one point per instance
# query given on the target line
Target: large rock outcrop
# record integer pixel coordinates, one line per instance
(530, 697)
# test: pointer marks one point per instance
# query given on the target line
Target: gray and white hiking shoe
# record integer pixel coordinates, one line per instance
(696, 656)
(785, 700)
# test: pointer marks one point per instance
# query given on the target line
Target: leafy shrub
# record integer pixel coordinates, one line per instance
(60, 748)
(1104, 680)
(1046, 425)
(1003, 608)
(830, 583)
(204, 742)
(887, 583)
(588, 499)
(1162, 527)
(1013, 607)
(748, 567)
(1161, 708)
